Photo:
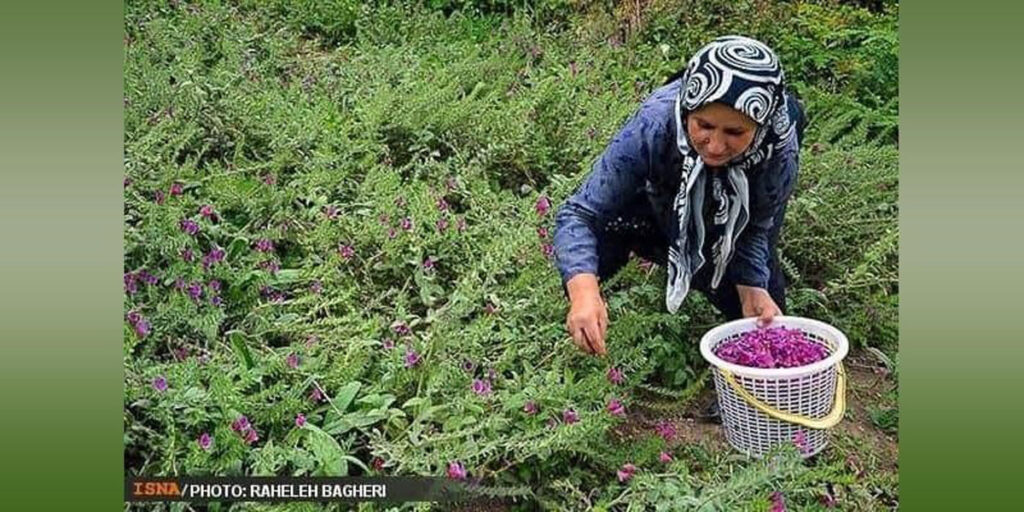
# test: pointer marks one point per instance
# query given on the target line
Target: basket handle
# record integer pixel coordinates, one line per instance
(833, 417)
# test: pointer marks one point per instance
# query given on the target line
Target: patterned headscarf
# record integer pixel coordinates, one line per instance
(746, 75)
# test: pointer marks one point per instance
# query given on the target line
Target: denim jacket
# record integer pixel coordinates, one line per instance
(640, 171)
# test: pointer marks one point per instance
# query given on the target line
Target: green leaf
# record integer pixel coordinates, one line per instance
(238, 342)
(346, 394)
(327, 452)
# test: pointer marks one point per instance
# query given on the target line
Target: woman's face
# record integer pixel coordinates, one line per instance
(719, 132)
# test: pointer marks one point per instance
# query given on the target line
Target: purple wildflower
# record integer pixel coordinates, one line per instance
(615, 375)
(293, 361)
(148, 278)
(316, 395)
(187, 255)
(666, 430)
(665, 457)
(251, 437)
(626, 472)
(316, 287)
(411, 358)
(346, 251)
(189, 226)
(428, 264)
(481, 387)
(547, 250)
(543, 205)
(130, 283)
(542, 232)
(331, 212)
(271, 266)
(241, 424)
(531, 408)
(269, 179)
(206, 211)
(377, 463)
(181, 353)
(442, 205)
(158, 197)
(392, 233)
(142, 328)
(214, 285)
(216, 301)
(442, 224)
(570, 416)
(387, 343)
(406, 224)
(800, 441)
(160, 384)
(827, 500)
(300, 420)
(456, 471)
(778, 502)
(468, 366)
(133, 317)
(195, 290)
(213, 257)
(401, 329)
(205, 441)
(176, 189)
(264, 245)
(615, 408)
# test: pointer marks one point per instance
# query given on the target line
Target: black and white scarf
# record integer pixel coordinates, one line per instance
(746, 75)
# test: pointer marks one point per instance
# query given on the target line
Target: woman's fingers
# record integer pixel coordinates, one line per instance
(596, 339)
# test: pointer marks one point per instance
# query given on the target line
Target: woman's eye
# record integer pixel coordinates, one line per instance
(734, 133)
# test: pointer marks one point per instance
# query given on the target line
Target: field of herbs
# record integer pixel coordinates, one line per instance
(337, 247)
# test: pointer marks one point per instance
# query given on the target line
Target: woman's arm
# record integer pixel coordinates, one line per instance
(614, 182)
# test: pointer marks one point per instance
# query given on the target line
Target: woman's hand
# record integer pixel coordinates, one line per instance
(757, 302)
(587, 320)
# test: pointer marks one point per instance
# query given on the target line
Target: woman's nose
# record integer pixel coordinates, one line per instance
(716, 145)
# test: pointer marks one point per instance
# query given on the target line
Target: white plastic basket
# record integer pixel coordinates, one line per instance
(765, 407)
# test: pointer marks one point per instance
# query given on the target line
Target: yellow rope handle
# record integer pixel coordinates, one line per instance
(838, 408)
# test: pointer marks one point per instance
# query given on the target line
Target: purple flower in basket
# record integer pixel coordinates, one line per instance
(160, 384)
(300, 420)
(531, 407)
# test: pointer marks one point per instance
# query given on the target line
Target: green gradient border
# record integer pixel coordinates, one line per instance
(60, 256)
(960, 351)
(60, 241)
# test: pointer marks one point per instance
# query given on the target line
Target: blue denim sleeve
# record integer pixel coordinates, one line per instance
(614, 181)
(769, 192)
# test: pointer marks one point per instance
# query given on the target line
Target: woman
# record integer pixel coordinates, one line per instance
(697, 180)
